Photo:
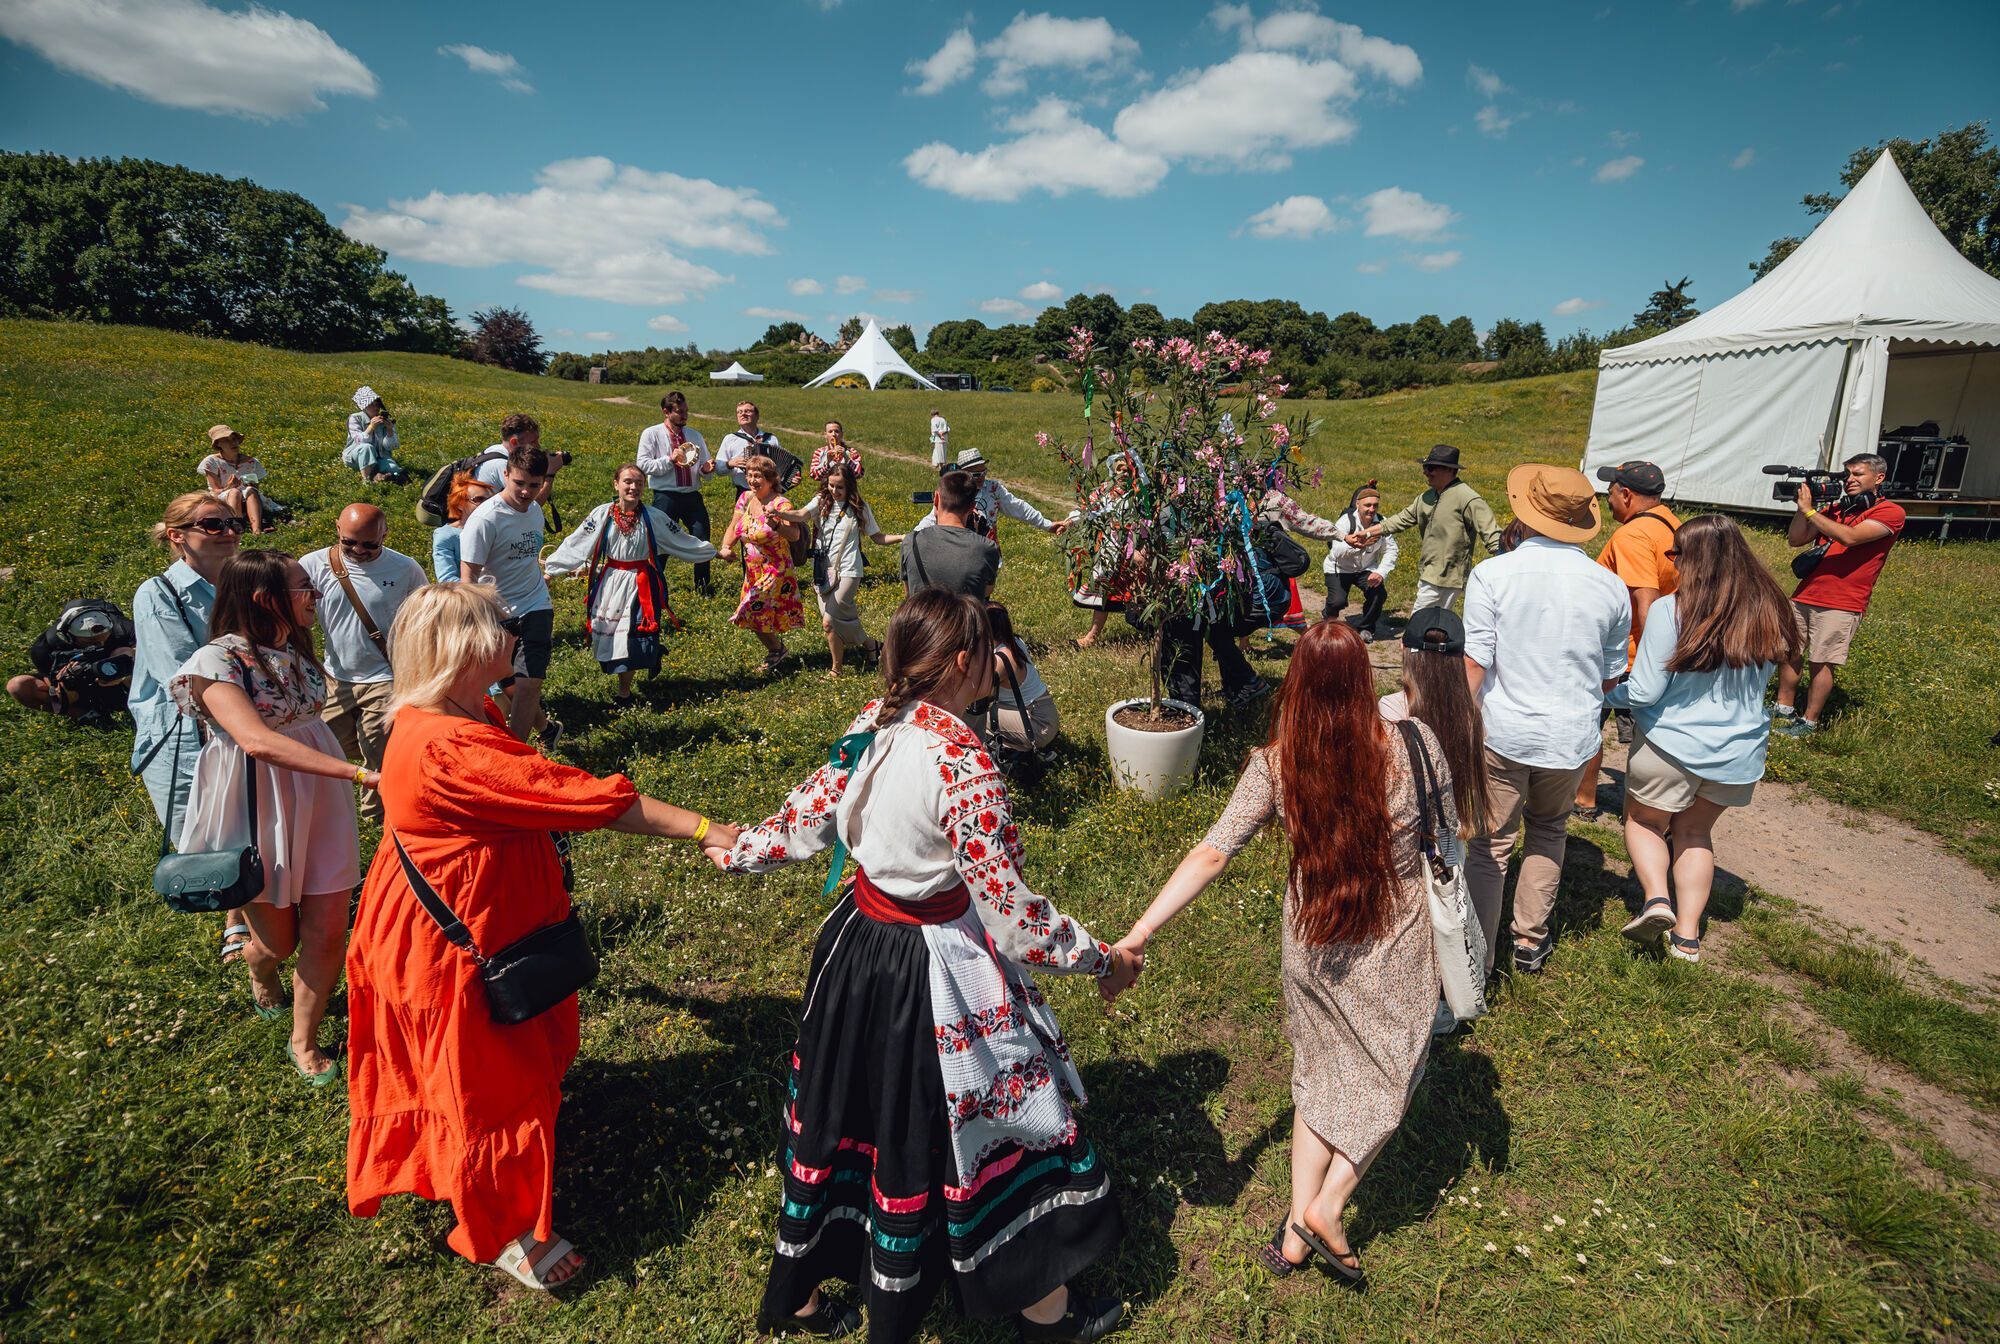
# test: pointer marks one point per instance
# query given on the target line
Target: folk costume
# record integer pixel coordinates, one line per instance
(444, 1102)
(626, 603)
(1097, 581)
(930, 1130)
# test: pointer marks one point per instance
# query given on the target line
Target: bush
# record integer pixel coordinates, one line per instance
(1045, 385)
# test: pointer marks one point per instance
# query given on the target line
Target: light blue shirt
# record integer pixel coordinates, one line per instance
(163, 642)
(444, 552)
(1713, 723)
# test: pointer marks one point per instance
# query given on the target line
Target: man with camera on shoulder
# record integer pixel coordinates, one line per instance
(1850, 537)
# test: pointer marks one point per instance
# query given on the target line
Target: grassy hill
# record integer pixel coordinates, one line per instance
(1615, 1153)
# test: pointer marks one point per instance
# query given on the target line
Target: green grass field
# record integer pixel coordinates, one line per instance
(1626, 1149)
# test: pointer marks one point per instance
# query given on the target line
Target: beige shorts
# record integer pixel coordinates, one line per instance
(1826, 631)
(1659, 781)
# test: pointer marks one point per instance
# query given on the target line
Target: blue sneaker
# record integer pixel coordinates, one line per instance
(1796, 728)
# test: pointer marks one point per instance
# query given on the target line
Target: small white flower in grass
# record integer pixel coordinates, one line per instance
(1547, 1227)
(1582, 1259)
(1666, 1260)
(1475, 1189)
(1522, 1251)
(1557, 1219)
(1491, 1247)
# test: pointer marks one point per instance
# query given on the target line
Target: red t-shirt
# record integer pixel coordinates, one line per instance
(1846, 577)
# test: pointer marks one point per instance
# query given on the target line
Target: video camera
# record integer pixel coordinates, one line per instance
(1829, 488)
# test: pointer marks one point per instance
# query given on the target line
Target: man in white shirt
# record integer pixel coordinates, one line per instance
(503, 538)
(1545, 636)
(675, 459)
(749, 440)
(361, 583)
(940, 439)
(1366, 566)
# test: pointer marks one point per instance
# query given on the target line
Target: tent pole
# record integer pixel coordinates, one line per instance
(1831, 437)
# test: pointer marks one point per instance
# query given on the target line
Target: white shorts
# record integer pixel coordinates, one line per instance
(1660, 782)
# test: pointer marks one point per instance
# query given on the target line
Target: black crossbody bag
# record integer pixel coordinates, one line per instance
(527, 977)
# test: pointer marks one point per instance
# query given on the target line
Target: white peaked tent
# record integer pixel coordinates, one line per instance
(1875, 321)
(873, 358)
(736, 373)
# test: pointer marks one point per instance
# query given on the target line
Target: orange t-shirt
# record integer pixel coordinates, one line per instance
(1637, 554)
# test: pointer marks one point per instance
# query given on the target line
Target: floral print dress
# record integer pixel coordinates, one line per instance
(770, 604)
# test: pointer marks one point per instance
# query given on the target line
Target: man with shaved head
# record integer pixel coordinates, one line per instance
(361, 583)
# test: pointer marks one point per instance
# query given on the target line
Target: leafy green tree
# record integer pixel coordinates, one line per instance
(1667, 308)
(1955, 176)
(504, 337)
(1099, 313)
(850, 330)
(1511, 340)
(782, 333)
(154, 244)
(901, 339)
(1461, 340)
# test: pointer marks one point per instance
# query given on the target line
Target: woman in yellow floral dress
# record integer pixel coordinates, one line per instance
(770, 605)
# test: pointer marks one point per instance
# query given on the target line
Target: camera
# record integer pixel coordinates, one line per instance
(1829, 488)
(557, 459)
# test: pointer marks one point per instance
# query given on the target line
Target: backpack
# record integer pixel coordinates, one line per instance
(437, 490)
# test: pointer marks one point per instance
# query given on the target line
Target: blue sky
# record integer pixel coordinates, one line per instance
(662, 173)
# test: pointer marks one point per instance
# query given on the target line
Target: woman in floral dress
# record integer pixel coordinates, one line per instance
(770, 604)
(930, 1134)
(1097, 584)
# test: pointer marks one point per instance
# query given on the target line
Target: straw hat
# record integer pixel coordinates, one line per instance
(1556, 501)
(217, 433)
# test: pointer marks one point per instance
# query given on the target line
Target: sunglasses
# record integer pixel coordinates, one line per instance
(1672, 553)
(215, 527)
(364, 547)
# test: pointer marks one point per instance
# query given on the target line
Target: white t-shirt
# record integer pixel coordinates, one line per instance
(382, 584)
(654, 445)
(940, 435)
(494, 472)
(508, 541)
(843, 537)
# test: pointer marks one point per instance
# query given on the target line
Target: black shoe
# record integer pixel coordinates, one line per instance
(1248, 694)
(1623, 720)
(1087, 1318)
(832, 1319)
(1530, 960)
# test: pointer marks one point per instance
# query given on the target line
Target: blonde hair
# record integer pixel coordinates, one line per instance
(763, 466)
(440, 631)
(182, 510)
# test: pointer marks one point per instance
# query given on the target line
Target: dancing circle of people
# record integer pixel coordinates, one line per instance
(931, 1134)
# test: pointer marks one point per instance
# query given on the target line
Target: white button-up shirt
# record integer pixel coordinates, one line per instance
(1549, 625)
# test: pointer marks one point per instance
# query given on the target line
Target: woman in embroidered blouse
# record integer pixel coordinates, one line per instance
(619, 548)
(258, 686)
(232, 477)
(929, 1130)
(1096, 584)
(446, 1103)
(841, 517)
(770, 603)
(1360, 965)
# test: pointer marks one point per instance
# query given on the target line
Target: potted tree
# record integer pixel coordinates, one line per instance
(1166, 511)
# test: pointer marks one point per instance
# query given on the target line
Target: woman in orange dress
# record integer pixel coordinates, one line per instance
(445, 1102)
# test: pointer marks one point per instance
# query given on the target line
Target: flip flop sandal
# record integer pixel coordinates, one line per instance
(235, 941)
(326, 1077)
(1346, 1272)
(1271, 1255)
(1686, 949)
(1656, 918)
(513, 1261)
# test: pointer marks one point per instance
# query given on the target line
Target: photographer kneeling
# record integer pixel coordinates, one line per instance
(1852, 537)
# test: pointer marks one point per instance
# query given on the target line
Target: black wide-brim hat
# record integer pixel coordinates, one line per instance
(1443, 455)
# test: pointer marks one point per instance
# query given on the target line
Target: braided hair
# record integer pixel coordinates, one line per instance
(926, 635)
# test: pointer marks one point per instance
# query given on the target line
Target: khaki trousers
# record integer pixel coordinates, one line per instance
(1540, 799)
(358, 714)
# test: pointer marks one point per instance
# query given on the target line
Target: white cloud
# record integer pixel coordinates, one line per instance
(1395, 213)
(1744, 158)
(1228, 115)
(1485, 81)
(947, 65)
(1619, 169)
(596, 229)
(1571, 307)
(1293, 217)
(602, 335)
(848, 284)
(777, 314)
(805, 285)
(665, 322)
(1043, 42)
(1306, 29)
(1436, 261)
(1042, 291)
(1740, 5)
(1011, 309)
(496, 63)
(1620, 139)
(896, 295)
(1054, 150)
(253, 62)
(1372, 267)
(1492, 121)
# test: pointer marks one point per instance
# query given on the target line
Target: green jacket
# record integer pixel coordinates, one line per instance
(1447, 524)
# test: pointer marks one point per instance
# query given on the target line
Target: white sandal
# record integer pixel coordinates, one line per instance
(513, 1261)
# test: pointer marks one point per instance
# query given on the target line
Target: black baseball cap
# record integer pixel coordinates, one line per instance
(1450, 631)
(1641, 477)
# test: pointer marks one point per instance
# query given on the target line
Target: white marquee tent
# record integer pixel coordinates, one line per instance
(872, 357)
(1874, 321)
(736, 373)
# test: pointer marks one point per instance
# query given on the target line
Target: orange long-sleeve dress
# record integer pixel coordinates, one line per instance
(445, 1103)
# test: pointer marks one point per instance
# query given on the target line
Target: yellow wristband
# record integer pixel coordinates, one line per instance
(360, 774)
(700, 831)
(1812, 513)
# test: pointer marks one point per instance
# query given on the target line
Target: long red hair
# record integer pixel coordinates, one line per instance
(1332, 757)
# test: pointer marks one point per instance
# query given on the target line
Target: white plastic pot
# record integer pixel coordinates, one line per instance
(1152, 764)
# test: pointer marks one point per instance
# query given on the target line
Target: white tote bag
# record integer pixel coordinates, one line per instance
(1461, 943)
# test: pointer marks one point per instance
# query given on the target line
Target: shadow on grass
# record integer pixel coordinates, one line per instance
(1455, 1121)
